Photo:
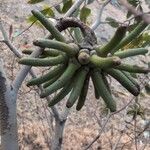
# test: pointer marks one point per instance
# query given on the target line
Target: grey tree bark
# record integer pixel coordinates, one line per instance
(8, 117)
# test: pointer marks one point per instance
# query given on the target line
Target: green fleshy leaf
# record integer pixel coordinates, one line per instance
(136, 110)
(47, 11)
(146, 36)
(130, 112)
(67, 5)
(34, 1)
(112, 22)
(129, 14)
(84, 14)
(141, 41)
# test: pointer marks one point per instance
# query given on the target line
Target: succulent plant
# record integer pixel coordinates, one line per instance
(75, 63)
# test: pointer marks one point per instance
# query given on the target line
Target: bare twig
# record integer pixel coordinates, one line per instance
(130, 8)
(73, 8)
(128, 20)
(117, 142)
(100, 132)
(25, 29)
(7, 41)
(135, 139)
(99, 16)
(145, 145)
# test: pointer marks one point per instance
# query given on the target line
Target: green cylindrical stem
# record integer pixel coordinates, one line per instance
(132, 68)
(64, 78)
(45, 53)
(83, 93)
(104, 62)
(78, 35)
(104, 92)
(70, 49)
(118, 36)
(105, 81)
(131, 52)
(51, 52)
(52, 73)
(132, 35)
(65, 90)
(51, 81)
(48, 61)
(48, 25)
(127, 74)
(77, 87)
(124, 81)
(97, 96)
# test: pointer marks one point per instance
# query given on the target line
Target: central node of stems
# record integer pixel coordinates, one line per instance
(84, 56)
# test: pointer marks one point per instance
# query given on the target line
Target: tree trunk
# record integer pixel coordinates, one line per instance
(8, 117)
(58, 134)
(57, 138)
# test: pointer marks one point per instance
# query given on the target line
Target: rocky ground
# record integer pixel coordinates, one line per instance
(35, 119)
